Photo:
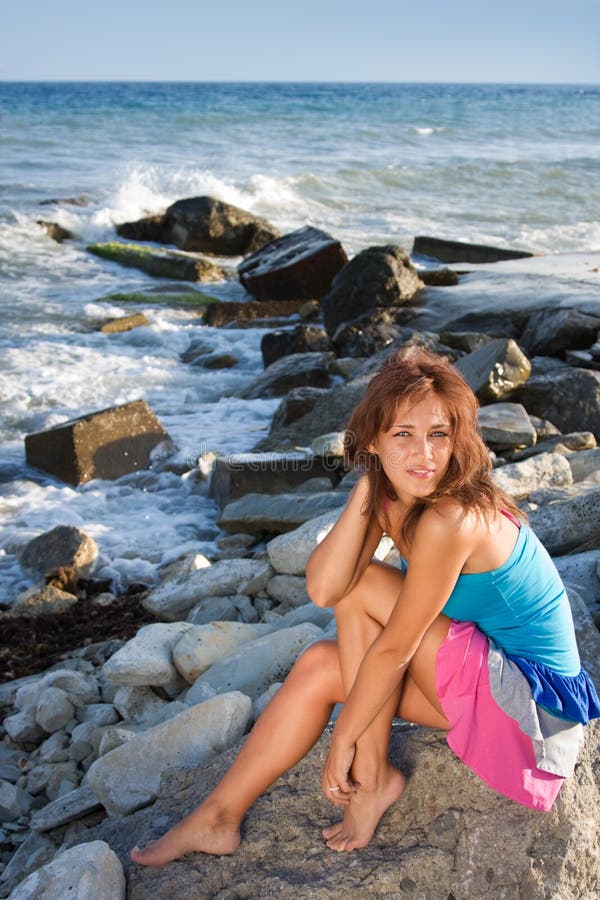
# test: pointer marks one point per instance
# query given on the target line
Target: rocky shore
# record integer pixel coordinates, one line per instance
(115, 741)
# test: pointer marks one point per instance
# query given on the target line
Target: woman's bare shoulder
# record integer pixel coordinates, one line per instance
(448, 516)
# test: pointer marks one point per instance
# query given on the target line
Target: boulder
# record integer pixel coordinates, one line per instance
(576, 441)
(520, 479)
(146, 659)
(582, 570)
(271, 473)
(443, 277)
(63, 545)
(568, 397)
(374, 331)
(105, 444)
(204, 645)
(550, 332)
(584, 463)
(507, 323)
(224, 577)
(296, 403)
(299, 265)
(301, 339)
(75, 805)
(460, 251)
(255, 666)
(250, 312)
(54, 709)
(205, 224)
(565, 525)
(160, 263)
(378, 276)
(466, 341)
(56, 231)
(277, 512)
(219, 609)
(217, 361)
(288, 590)
(41, 602)
(129, 776)
(506, 425)
(87, 872)
(495, 369)
(297, 370)
(449, 835)
(124, 323)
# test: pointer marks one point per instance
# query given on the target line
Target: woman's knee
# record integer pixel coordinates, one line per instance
(319, 661)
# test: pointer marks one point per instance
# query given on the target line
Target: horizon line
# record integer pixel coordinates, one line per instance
(292, 81)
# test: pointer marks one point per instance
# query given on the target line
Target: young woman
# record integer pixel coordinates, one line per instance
(473, 634)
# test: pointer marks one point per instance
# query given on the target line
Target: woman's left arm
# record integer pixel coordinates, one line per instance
(442, 543)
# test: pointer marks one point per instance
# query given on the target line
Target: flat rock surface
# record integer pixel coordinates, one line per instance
(435, 843)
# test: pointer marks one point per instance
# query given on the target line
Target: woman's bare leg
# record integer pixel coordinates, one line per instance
(284, 733)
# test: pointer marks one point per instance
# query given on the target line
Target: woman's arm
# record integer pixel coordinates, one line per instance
(341, 558)
(440, 548)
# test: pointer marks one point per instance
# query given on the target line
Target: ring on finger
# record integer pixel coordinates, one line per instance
(334, 789)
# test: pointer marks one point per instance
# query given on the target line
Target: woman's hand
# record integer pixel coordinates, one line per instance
(336, 779)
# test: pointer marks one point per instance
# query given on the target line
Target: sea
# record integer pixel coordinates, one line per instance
(510, 165)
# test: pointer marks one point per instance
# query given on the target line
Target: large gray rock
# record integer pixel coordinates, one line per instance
(64, 545)
(584, 463)
(376, 277)
(568, 397)
(296, 370)
(254, 667)
(147, 659)
(564, 525)
(204, 645)
(271, 473)
(506, 425)
(277, 512)
(449, 835)
(495, 369)
(576, 440)
(205, 224)
(129, 776)
(550, 332)
(104, 444)
(86, 872)
(229, 576)
(75, 805)
(522, 478)
(582, 570)
(299, 265)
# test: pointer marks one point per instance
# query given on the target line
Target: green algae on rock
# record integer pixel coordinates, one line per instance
(159, 262)
(165, 298)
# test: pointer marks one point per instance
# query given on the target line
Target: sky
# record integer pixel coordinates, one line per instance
(555, 41)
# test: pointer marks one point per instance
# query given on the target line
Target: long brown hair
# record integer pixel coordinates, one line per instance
(413, 374)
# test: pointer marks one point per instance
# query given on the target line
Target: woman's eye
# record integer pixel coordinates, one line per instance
(401, 434)
(442, 434)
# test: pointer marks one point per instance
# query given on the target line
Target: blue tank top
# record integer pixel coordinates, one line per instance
(522, 606)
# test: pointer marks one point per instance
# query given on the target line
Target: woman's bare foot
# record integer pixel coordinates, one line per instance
(363, 813)
(200, 832)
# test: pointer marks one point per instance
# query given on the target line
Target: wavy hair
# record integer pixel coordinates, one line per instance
(413, 374)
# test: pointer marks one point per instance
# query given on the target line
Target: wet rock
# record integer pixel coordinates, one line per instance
(105, 444)
(129, 776)
(255, 666)
(249, 473)
(297, 403)
(506, 425)
(86, 872)
(466, 341)
(521, 478)
(124, 323)
(223, 578)
(147, 659)
(217, 361)
(161, 263)
(276, 512)
(372, 332)
(568, 397)
(56, 231)
(253, 312)
(205, 224)
(508, 323)
(297, 370)
(460, 251)
(61, 546)
(567, 524)
(495, 369)
(205, 645)
(438, 277)
(550, 332)
(299, 265)
(376, 277)
(301, 339)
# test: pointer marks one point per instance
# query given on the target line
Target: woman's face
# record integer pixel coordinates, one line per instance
(415, 451)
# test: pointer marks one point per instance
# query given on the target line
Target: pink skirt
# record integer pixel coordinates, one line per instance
(481, 734)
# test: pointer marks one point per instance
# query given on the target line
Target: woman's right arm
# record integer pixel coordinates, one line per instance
(341, 558)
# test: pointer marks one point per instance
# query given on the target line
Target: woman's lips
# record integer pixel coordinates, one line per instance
(420, 473)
